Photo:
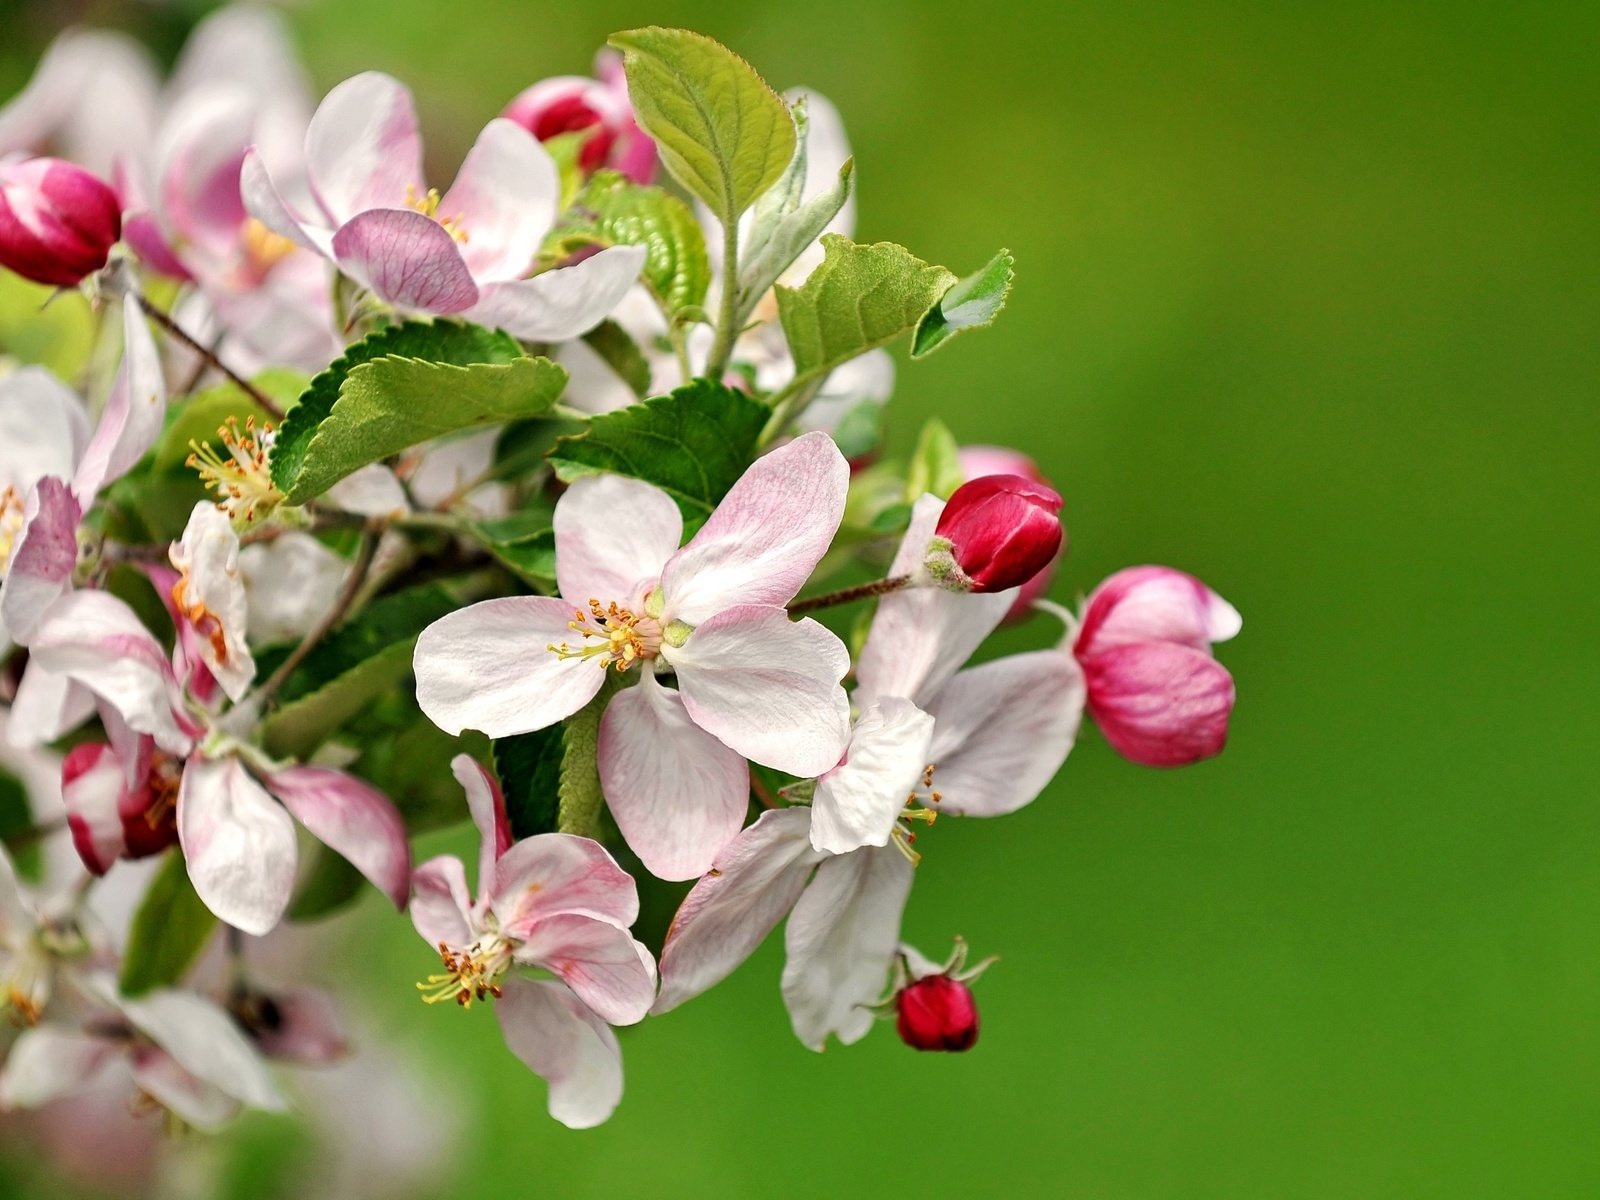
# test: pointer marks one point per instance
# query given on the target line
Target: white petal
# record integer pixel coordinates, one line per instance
(191, 1099)
(755, 882)
(766, 537)
(46, 707)
(553, 874)
(1002, 731)
(266, 204)
(204, 1041)
(352, 817)
(490, 667)
(858, 802)
(613, 534)
(211, 596)
(289, 583)
(43, 428)
(134, 414)
(238, 842)
(610, 972)
(505, 196)
(43, 558)
(574, 1051)
(768, 687)
(557, 305)
(841, 940)
(362, 149)
(677, 793)
(49, 1062)
(487, 805)
(441, 908)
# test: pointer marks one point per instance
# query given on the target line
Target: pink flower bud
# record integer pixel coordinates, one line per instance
(110, 818)
(937, 1012)
(573, 104)
(996, 532)
(978, 461)
(57, 221)
(1155, 691)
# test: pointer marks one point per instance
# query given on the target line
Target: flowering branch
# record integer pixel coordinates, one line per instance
(173, 329)
(863, 591)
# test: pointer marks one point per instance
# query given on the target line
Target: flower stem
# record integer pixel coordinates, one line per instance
(174, 330)
(330, 619)
(878, 587)
(728, 317)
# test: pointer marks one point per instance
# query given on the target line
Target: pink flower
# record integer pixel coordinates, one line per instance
(934, 1007)
(751, 683)
(1155, 691)
(57, 221)
(997, 532)
(554, 902)
(978, 461)
(574, 104)
(465, 252)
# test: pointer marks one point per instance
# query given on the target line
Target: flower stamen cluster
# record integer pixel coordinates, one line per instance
(621, 638)
(428, 206)
(12, 519)
(241, 478)
(469, 975)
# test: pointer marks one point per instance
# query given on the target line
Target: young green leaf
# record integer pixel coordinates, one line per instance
(693, 444)
(768, 257)
(722, 132)
(612, 210)
(622, 354)
(390, 404)
(935, 463)
(202, 415)
(525, 543)
(529, 767)
(16, 824)
(971, 303)
(169, 931)
(580, 798)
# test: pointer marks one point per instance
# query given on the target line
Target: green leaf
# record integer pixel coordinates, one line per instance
(935, 464)
(971, 303)
(622, 354)
(860, 431)
(614, 211)
(436, 341)
(859, 298)
(201, 417)
(390, 404)
(16, 820)
(566, 149)
(40, 324)
(529, 767)
(300, 726)
(328, 886)
(524, 542)
(693, 444)
(723, 133)
(169, 931)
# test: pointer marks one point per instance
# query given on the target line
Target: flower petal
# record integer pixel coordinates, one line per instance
(238, 843)
(407, 259)
(487, 805)
(677, 793)
(43, 428)
(204, 1040)
(210, 597)
(43, 559)
(756, 881)
(266, 204)
(441, 907)
(189, 1098)
(306, 1028)
(560, 1040)
(768, 687)
(610, 972)
(1158, 703)
(766, 537)
(557, 305)
(362, 148)
(1003, 730)
(134, 413)
(921, 636)
(553, 874)
(489, 667)
(858, 802)
(1155, 604)
(92, 788)
(48, 1062)
(352, 817)
(289, 581)
(505, 197)
(46, 707)
(613, 534)
(841, 940)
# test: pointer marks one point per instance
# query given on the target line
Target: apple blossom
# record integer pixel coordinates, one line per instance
(996, 533)
(58, 222)
(933, 1004)
(979, 460)
(598, 107)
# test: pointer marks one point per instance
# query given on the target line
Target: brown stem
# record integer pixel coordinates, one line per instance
(331, 618)
(173, 329)
(878, 587)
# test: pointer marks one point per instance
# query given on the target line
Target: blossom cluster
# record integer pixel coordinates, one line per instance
(397, 507)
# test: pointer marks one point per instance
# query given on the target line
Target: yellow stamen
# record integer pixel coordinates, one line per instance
(12, 517)
(473, 974)
(621, 638)
(428, 206)
(263, 249)
(241, 478)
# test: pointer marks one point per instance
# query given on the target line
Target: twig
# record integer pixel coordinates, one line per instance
(173, 329)
(330, 619)
(878, 587)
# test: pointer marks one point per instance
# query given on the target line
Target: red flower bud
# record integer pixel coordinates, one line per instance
(57, 221)
(937, 1012)
(111, 818)
(997, 532)
(978, 461)
(599, 107)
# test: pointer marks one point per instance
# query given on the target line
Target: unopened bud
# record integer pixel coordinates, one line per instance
(597, 108)
(937, 1012)
(995, 533)
(58, 222)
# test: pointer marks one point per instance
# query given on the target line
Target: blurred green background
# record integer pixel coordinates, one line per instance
(1307, 304)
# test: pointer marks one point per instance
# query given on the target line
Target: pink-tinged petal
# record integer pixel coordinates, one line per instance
(441, 907)
(266, 204)
(210, 597)
(1003, 730)
(46, 707)
(299, 1025)
(766, 537)
(407, 259)
(922, 635)
(841, 940)
(362, 149)
(571, 1049)
(134, 413)
(92, 788)
(290, 582)
(610, 972)
(557, 305)
(43, 558)
(48, 1062)
(858, 802)
(238, 842)
(554, 874)
(144, 235)
(205, 1041)
(189, 1098)
(505, 197)
(489, 667)
(613, 534)
(353, 818)
(249, 48)
(43, 428)
(487, 805)
(768, 687)
(677, 793)
(373, 491)
(94, 95)
(96, 640)
(1158, 703)
(1155, 604)
(203, 143)
(755, 882)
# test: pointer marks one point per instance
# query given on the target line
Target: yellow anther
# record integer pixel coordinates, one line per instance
(241, 478)
(612, 635)
(428, 206)
(469, 975)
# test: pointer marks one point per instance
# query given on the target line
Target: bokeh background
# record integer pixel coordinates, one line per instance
(1307, 304)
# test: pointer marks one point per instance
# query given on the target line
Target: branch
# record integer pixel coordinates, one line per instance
(173, 329)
